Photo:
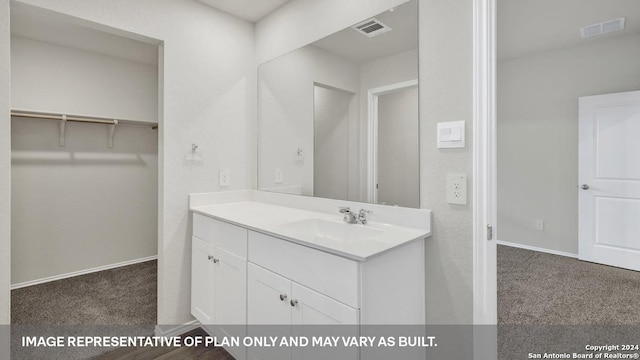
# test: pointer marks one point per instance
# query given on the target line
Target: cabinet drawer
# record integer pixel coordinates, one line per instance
(326, 273)
(224, 235)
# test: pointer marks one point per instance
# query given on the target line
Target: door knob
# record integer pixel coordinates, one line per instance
(283, 297)
(294, 302)
(585, 187)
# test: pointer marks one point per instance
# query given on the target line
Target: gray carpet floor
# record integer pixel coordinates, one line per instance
(121, 296)
(539, 288)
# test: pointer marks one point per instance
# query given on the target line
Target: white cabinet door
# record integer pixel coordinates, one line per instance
(202, 281)
(337, 319)
(269, 312)
(269, 296)
(230, 298)
(231, 289)
(313, 308)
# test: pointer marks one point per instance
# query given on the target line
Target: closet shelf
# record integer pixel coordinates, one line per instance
(76, 118)
(63, 118)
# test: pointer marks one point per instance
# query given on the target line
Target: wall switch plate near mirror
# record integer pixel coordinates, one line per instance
(346, 108)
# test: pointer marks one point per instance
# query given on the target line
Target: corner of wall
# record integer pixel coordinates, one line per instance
(5, 168)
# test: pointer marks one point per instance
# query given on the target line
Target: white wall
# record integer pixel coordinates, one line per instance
(286, 111)
(65, 80)
(380, 72)
(84, 205)
(538, 134)
(208, 88)
(399, 148)
(5, 172)
(331, 142)
(445, 95)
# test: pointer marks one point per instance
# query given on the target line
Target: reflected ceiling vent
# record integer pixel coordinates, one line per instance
(602, 28)
(372, 27)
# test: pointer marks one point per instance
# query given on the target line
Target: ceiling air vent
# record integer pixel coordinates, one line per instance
(372, 27)
(602, 28)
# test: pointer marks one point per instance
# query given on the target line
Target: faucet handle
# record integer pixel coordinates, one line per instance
(344, 209)
(362, 216)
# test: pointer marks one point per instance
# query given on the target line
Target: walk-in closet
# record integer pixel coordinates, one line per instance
(84, 167)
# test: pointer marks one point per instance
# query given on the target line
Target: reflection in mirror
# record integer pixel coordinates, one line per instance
(339, 118)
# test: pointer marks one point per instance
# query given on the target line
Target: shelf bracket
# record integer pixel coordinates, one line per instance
(63, 130)
(112, 130)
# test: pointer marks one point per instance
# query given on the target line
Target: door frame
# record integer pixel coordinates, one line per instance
(484, 163)
(372, 132)
(485, 294)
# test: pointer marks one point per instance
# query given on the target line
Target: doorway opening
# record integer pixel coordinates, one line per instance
(85, 102)
(567, 180)
(392, 131)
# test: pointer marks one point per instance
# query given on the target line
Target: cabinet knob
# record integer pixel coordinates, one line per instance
(210, 257)
(215, 261)
(283, 297)
(294, 302)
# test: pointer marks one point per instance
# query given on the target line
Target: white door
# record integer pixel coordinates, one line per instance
(609, 179)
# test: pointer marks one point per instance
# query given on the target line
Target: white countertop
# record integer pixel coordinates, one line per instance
(273, 219)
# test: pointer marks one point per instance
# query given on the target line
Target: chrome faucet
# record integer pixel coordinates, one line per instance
(362, 216)
(351, 218)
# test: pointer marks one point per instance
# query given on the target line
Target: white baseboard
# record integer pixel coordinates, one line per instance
(81, 272)
(535, 248)
(170, 331)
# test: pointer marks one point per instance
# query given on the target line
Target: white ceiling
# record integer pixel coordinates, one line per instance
(358, 48)
(533, 26)
(252, 10)
(42, 25)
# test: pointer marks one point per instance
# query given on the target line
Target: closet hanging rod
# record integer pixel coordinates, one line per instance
(75, 118)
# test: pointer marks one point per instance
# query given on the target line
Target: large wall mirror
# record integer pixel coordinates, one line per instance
(339, 118)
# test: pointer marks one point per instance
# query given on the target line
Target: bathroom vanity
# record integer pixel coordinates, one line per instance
(262, 258)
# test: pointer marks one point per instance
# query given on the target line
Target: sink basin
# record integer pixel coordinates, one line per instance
(331, 230)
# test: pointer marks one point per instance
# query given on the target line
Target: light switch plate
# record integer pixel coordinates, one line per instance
(451, 134)
(224, 177)
(457, 189)
(279, 176)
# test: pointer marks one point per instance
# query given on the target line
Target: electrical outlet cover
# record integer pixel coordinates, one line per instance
(457, 189)
(224, 177)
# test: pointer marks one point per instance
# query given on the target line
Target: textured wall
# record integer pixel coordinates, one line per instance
(52, 187)
(83, 205)
(538, 134)
(208, 87)
(5, 168)
(446, 95)
(61, 79)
